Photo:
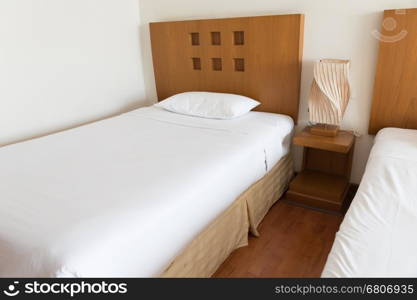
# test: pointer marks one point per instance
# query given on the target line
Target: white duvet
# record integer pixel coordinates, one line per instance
(378, 236)
(124, 196)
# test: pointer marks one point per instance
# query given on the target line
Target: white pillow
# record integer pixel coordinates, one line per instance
(209, 105)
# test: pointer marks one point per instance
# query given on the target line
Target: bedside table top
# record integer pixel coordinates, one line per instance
(340, 143)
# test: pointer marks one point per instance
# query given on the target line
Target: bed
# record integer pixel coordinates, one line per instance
(151, 193)
(125, 196)
(376, 238)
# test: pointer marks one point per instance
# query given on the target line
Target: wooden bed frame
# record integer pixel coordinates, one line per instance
(395, 90)
(258, 57)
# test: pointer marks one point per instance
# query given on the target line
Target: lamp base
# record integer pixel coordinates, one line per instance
(324, 130)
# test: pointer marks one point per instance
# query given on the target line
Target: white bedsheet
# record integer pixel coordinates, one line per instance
(378, 235)
(124, 196)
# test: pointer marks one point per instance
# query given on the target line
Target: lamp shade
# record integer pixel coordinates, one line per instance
(330, 91)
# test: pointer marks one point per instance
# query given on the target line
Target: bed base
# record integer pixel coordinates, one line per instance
(203, 256)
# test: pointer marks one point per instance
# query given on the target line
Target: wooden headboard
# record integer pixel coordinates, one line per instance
(395, 91)
(258, 57)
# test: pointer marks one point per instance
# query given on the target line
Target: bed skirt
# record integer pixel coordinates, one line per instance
(203, 256)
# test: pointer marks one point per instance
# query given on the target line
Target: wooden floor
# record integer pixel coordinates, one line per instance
(293, 242)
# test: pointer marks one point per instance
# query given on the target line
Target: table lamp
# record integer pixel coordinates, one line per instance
(329, 96)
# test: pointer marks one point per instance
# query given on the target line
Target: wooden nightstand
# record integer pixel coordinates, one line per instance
(324, 180)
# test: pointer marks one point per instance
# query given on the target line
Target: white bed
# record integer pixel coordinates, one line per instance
(124, 196)
(378, 235)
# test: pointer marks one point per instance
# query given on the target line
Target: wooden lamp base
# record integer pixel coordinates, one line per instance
(324, 130)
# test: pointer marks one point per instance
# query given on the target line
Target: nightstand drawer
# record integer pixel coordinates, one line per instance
(312, 202)
(319, 190)
(320, 185)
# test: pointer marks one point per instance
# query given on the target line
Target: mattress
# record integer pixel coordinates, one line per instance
(377, 235)
(124, 196)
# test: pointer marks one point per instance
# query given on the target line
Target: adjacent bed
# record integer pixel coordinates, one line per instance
(138, 194)
(376, 238)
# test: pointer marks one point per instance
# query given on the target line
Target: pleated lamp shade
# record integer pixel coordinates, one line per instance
(330, 91)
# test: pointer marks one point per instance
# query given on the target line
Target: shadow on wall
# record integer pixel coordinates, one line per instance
(147, 65)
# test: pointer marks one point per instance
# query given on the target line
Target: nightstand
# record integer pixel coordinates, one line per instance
(323, 182)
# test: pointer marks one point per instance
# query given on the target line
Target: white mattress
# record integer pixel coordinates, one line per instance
(124, 196)
(378, 235)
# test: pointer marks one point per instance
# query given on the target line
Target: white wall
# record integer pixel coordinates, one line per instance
(333, 29)
(66, 62)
